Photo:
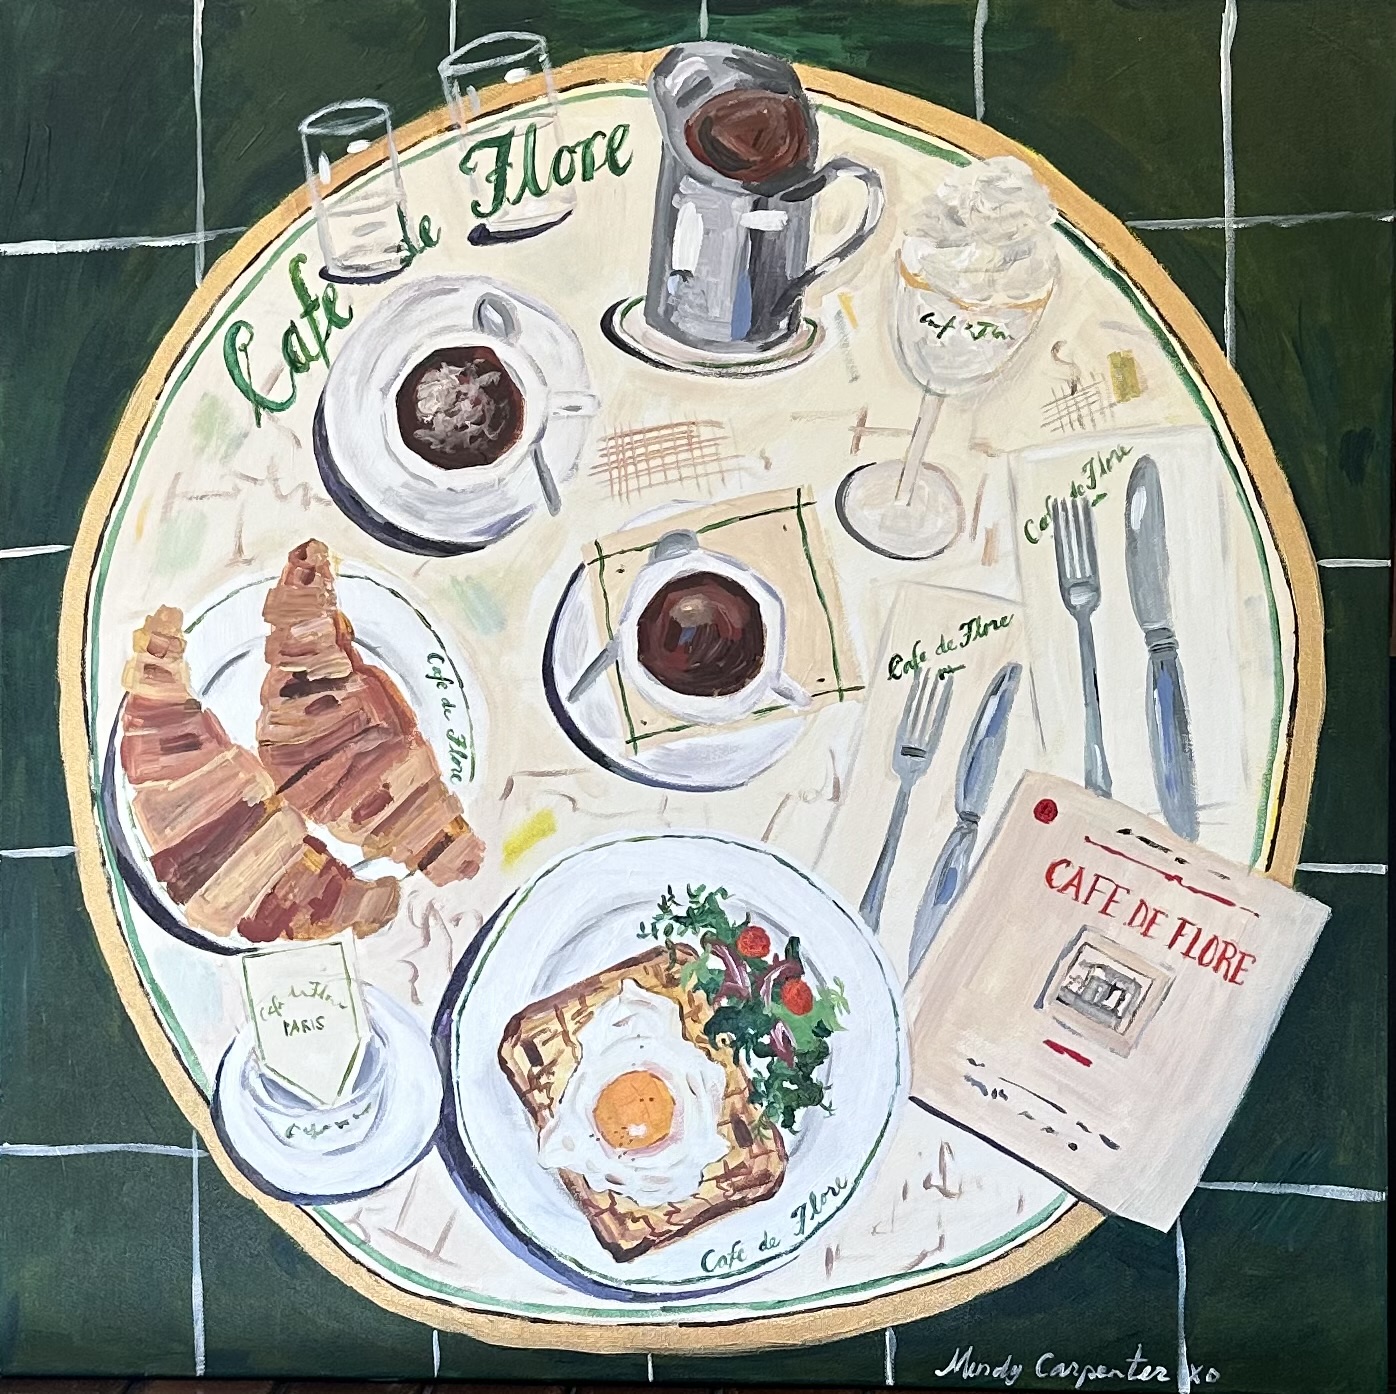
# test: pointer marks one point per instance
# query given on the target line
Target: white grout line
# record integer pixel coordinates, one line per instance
(20, 854)
(87, 1149)
(196, 1286)
(1345, 868)
(436, 1335)
(981, 18)
(1184, 1369)
(649, 1368)
(1283, 1188)
(451, 46)
(199, 141)
(889, 1357)
(1262, 220)
(1345, 562)
(702, 19)
(44, 550)
(1228, 34)
(44, 246)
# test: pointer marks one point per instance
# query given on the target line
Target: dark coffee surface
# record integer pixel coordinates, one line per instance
(460, 407)
(702, 635)
(749, 135)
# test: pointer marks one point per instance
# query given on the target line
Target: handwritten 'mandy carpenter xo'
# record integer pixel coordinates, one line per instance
(1099, 999)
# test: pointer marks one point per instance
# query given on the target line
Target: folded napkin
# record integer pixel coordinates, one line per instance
(779, 537)
(973, 635)
(1207, 581)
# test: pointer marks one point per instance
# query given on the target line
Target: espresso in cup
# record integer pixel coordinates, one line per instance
(460, 407)
(749, 134)
(702, 635)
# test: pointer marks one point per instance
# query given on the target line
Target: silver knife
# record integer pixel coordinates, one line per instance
(1165, 704)
(979, 763)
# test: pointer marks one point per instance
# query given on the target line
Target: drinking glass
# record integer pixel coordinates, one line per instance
(994, 267)
(519, 183)
(361, 227)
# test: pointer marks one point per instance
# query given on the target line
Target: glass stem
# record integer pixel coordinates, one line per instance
(926, 418)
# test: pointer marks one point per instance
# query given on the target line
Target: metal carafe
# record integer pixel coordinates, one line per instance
(729, 261)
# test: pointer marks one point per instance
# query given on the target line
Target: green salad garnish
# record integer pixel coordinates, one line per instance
(776, 1022)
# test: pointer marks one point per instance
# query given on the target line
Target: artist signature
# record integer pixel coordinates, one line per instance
(1079, 1374)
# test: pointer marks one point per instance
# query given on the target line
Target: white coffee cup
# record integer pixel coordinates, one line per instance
(770, 684)
(540, 405)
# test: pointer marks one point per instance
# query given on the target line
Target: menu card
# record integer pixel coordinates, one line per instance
(1099, 999)
(309, 1024)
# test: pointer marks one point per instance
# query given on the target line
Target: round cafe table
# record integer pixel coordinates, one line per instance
(201, 493)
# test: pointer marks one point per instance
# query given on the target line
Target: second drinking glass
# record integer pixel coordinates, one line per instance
(510, 159)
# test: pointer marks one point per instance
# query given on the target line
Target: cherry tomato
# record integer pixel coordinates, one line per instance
(754, 942)
(797, 997)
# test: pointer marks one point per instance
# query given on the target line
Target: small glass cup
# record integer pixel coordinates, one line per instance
(519, 185)
(309, 1128)
(361, 227)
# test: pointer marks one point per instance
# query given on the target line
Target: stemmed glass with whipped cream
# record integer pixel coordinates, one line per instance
(974, 273)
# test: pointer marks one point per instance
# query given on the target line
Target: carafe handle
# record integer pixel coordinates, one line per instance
(838, 167)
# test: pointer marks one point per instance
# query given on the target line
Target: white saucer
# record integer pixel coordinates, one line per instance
(624, 324)
(701, 763)
(404, 509)
(402, 1132)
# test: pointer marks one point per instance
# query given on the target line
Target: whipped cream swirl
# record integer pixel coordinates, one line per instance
(985, 236)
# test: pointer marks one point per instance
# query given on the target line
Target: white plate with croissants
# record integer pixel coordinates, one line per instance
(287, 757)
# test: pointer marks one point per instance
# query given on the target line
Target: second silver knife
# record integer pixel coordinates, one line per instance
(979, 763)
(1166, 709)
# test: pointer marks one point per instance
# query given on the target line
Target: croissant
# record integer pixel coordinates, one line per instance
(341, 743)
(223, 843)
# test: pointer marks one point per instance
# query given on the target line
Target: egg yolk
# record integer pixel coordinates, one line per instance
(634, 1110)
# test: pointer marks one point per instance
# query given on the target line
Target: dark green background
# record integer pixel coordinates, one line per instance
(97, 139)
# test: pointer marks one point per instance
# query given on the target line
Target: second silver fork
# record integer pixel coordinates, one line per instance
(918, 734)
(1078, 578)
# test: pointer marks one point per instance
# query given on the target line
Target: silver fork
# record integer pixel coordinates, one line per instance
(918, 734)
(1078, 576)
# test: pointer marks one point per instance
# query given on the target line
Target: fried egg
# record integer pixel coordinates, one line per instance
(639, 1114)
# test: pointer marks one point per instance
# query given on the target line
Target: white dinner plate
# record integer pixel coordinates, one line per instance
(224, 651)
(581, 915)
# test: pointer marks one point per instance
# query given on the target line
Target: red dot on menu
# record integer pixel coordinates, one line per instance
(1045, 811)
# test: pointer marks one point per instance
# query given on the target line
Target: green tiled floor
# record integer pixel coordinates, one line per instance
(75, 332)
(270, 1309)
(1295, 1123)
(33, 801)
(95, 1262)
(97, 140)
(1348, 810)
(855, 1362)
(96, 120)
(71, 1067)
(1098, 89)
(1314, 1270)
(1313, 345)
(1309, 78)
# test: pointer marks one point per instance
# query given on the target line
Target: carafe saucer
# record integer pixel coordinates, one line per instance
(625, 326)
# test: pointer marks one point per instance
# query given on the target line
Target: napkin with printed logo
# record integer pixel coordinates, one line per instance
(976, 642)
(776, 535)
(1097, 1001)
